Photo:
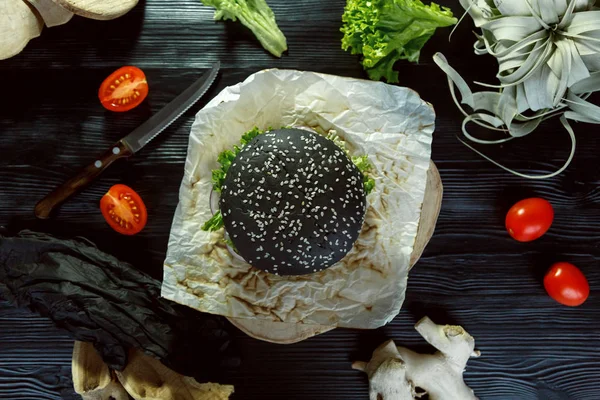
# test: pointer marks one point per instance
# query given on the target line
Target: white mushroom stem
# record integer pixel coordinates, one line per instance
(395, 373)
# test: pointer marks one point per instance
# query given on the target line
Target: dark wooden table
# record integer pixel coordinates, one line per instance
(471, 274)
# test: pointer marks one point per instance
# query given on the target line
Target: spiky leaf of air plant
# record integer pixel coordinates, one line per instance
(548, 54)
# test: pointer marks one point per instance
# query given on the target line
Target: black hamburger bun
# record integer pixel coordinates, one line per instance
(293, 202)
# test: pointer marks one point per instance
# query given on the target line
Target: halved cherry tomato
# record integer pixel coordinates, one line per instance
(529, 219)
(566, 284)
(124, 210)
(124, 89)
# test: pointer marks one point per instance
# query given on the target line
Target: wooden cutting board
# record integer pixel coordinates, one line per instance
(287, 333)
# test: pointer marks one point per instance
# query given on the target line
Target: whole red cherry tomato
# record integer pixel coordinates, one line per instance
(529, 219)
(566, 284)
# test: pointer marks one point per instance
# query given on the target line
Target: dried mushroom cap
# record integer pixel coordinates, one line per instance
(19, 23)
(293, 203)
(92, 378)
(52, 13)
(145, 378)
(98, 9)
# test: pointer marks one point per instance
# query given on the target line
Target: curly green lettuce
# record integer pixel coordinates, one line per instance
(385, 31)
(255, 15)
(226, 158)
(364, 166)
(361, 162)
(214, 223)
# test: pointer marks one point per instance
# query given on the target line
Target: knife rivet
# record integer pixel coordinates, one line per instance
(98, 164)
(116, 150)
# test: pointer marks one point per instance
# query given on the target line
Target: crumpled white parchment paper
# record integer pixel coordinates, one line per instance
(366, 289)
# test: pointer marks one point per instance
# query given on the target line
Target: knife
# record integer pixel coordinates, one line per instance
(130, 144)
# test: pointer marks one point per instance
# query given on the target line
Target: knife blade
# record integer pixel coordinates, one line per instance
(130, 144)
(147, 131)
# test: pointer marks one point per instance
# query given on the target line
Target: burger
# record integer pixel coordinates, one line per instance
(292, 201)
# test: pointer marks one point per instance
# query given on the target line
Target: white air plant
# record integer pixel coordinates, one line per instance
(548, 53)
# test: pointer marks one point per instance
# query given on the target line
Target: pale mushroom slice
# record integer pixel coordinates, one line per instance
(98, 9)
(146, 378)
(92, 378)
(19, 23)
(52, 13)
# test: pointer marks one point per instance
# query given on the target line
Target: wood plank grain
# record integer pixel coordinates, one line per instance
(40, 383)
(330, 376)
(35, 357)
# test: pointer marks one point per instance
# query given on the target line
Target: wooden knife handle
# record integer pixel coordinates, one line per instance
(44, 208)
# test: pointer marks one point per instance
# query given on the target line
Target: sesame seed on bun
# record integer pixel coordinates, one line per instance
(293, 203)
